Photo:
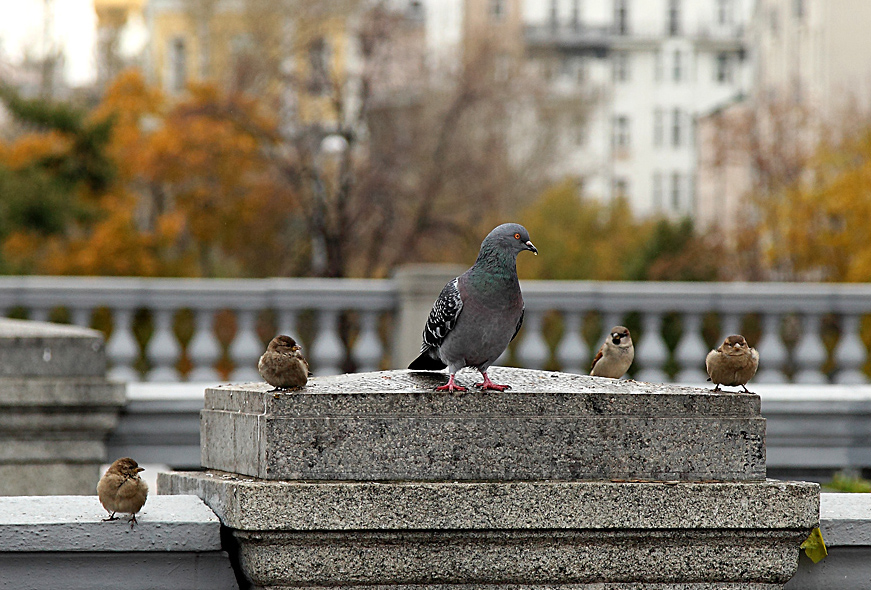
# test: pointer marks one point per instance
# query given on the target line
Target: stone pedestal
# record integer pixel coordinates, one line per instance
(56, 408)
(564, 481)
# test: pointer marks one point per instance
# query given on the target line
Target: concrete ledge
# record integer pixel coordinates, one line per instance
(391, 425)
(51, 542)
(845, 521)
(73, 523)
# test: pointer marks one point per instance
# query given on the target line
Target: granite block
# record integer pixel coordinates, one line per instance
(42, 349)
(389, 426)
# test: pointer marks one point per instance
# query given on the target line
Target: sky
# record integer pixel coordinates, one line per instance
(74, 23)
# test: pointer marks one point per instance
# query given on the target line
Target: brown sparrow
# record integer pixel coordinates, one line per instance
(615, 356)
(122, 490)
(282, 365)
(734, 363)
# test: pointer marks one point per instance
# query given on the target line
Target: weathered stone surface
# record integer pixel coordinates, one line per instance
(393, 426)
(716, 535)
(56, 408)
(42, 349)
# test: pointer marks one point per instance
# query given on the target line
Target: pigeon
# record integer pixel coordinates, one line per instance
(734, 363)
(122, 490)
(615, 356)
(478, 313)
(282, 365)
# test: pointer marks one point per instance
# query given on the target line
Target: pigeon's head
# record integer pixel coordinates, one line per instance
(510, 236)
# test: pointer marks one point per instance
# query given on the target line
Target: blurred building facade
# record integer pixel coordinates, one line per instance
(655, 66)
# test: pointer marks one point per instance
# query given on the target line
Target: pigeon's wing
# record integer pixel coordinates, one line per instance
(519, 323)
(597, 357)
(443, 316)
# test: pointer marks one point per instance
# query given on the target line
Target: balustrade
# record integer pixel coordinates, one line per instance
(339, 323)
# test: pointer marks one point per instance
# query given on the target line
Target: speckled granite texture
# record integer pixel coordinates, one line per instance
(393, 426)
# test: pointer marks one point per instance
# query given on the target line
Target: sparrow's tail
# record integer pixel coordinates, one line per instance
(426, 363)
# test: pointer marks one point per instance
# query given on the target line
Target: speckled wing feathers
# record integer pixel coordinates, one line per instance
(443, 316)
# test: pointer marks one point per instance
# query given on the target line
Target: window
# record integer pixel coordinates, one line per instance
(578, 128)
(576, 14)
(580, 70)
(621, 188)
(657, 191)
(319, 60)
(677, 66)
(723, 72)
(621, 66)
(676, 182)
(798, 9)
(178, 66)
(621, 17)
(658, 66)
(676, 128)
(498, 10)
(554, 13)
(674, 17)
(621, 132)
(724, 12)
(658, 127)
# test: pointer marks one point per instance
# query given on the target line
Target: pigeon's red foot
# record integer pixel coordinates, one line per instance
(487, 384)
(451, 385)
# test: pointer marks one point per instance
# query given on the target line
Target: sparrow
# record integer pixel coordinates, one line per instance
(734, 363)
(122, 490)
(282, 365)
(615, 356)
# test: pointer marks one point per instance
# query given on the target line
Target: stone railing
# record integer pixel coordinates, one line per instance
(806, 333)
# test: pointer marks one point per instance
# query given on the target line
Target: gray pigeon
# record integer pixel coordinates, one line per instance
(479, 312)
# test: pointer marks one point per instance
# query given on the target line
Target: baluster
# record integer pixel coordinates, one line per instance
(532, 352)
(287, 324)
(572, 351)
(651, 353)
(691, 350)
(368, 350)
(81, 316)
(328, 352)
(39, 314)
(810, 354)
(246, 348)
(204, 349)
(772, 352)
(850, 352)
(163, 349)
(122, 348)
(731, 324)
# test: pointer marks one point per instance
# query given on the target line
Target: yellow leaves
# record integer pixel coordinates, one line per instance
(33, 147)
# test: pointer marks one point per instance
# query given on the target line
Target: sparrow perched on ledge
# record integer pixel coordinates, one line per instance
(733, 363)
(478, 313)
(282, 365)
(122, 490)
(615, 356)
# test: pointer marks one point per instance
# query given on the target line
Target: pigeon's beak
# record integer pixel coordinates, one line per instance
(529, 246)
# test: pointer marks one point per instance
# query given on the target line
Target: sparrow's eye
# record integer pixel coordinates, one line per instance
(516, 236)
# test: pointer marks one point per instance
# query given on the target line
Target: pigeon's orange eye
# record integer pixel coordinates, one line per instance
(516, 236)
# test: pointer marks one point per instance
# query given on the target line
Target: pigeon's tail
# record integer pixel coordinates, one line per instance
(426, 363)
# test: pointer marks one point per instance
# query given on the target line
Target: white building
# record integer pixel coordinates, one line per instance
(655, 65)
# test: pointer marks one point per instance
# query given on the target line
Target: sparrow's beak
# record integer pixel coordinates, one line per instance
(529, 246)
(138, 469)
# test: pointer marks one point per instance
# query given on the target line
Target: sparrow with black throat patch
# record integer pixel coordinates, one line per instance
(615, 356)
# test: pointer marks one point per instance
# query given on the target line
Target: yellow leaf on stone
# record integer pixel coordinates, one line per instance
(814, 546)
